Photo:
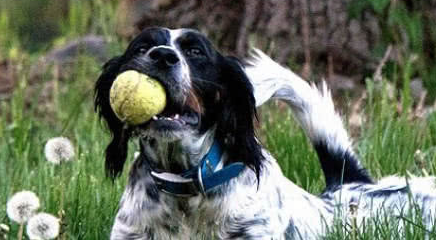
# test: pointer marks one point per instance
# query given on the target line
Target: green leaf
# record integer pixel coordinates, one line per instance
(356, 8)
(379, 5)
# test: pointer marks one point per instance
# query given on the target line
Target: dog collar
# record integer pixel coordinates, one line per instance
(201, 178)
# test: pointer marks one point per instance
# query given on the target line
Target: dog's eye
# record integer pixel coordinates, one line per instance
(194, 52)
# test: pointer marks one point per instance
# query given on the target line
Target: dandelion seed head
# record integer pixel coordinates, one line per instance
(4, 228)
(21, 206)
(43, 226)
(59, 149)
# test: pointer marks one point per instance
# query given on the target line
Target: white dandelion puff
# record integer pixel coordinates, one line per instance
(4, 228)
(21, 206)
(136, 155)
(43, 226)
(58, 150)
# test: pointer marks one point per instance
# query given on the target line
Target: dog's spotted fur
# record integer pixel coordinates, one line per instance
(215, 96)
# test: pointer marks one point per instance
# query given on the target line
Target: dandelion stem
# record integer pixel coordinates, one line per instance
(61, 203)
(20, 231)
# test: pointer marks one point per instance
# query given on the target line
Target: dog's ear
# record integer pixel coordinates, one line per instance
(236, 121)
(116, 151)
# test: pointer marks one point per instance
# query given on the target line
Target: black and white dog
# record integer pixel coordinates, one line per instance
(202, 173)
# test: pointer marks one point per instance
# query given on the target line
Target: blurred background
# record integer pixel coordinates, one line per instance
(342, 41)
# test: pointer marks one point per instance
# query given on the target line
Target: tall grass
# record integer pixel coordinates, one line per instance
(387, 145)
(408, 25)
(90, 199)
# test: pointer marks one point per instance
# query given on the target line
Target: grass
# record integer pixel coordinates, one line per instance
(387, 142)
(24, 167)
(387, 145)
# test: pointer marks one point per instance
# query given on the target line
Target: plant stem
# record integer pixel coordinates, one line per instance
(20, 231)
(61, 204)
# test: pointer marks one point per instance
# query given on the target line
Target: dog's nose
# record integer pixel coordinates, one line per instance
(164, 57)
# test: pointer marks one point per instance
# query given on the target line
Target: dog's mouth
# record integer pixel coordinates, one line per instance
(182, 111)
(171, 119)
(178, 115)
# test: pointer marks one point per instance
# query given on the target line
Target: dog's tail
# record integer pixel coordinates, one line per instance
(314, 110)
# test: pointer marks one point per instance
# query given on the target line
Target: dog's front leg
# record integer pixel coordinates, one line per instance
(120, 231)
(139, 207)
(134, 217)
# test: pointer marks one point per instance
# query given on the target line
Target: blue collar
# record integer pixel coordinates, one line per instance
(201, 178)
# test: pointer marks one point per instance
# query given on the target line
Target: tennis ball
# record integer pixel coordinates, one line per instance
(136, 98)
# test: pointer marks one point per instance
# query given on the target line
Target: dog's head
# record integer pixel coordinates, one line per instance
(204, 90)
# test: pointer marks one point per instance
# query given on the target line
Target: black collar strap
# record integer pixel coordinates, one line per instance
(199, 179)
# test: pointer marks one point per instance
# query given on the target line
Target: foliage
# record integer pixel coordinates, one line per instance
(8, 39)
(409, 26)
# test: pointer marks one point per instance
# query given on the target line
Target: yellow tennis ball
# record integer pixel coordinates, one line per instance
(136, 98)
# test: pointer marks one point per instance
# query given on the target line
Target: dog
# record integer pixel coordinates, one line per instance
(203, 174)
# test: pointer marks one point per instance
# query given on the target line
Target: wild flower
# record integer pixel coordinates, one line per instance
(59, 149)
(4, 231)
(43, 226)
(4, 228)
(21, 206)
